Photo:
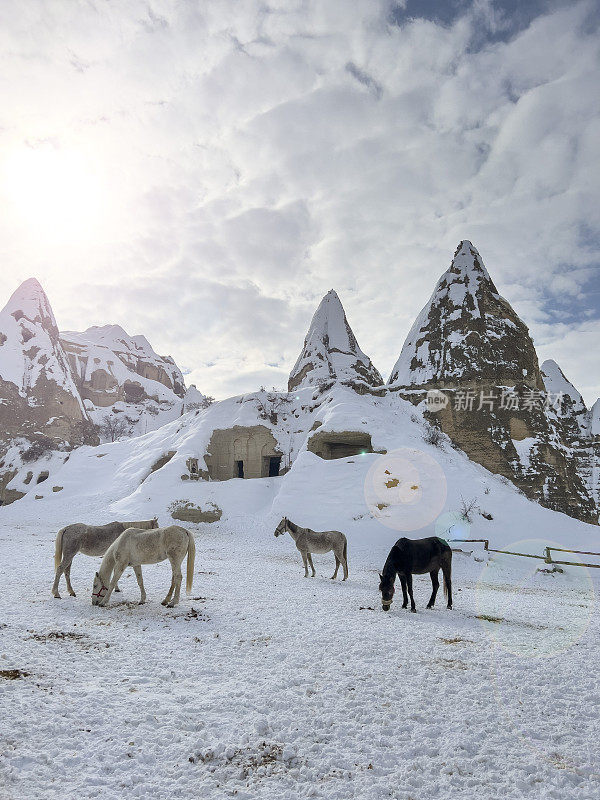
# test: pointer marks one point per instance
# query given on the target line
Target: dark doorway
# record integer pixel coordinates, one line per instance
(239, 469)
(274, 466)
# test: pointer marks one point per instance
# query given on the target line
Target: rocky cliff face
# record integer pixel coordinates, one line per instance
(58, 391)
(119, 374)
(331, 353)
(110, 365)
(469, 342)
(595, 439)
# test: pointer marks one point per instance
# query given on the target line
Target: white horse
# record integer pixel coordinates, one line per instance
(309, 541)
(91, 540)
(135, 547)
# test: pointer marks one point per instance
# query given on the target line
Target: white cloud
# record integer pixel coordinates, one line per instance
(254, 156)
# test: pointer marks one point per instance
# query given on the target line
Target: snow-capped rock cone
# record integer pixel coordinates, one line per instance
(331, 353)
(38, 396)
(467, 332)
(469, 343)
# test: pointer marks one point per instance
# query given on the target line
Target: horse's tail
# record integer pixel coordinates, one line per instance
(191, 557)
(346, 551)
(58, 549)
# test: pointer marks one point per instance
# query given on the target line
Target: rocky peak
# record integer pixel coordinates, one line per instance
(558, 385)
(331, 353)
(39, 401)
(106, 357)
(30, 349)
(467, 332)
(30, 302)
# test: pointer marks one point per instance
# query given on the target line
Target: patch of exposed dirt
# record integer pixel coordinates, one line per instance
(455, 640)
(67, 636)
(13, 674)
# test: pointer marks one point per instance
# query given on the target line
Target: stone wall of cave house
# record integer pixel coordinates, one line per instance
(253, 446)
(486, 436)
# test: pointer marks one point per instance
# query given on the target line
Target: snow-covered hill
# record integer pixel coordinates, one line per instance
(58, 391)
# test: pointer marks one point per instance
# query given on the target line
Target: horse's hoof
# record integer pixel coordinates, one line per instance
(413, 610)
(117, 589)
(141, 603)
(171, 605)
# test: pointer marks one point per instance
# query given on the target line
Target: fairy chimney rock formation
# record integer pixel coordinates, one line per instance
(331, 353)
(469, 342)
(467, 332)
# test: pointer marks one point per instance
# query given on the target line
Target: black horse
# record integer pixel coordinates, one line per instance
(410, 557)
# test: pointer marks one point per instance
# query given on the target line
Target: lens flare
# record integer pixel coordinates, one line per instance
(405, 489)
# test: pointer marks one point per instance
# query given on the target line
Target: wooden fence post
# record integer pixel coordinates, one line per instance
(548, 558)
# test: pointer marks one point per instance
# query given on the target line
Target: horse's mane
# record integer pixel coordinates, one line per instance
(292, 525)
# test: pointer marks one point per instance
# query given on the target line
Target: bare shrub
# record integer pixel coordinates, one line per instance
(433, 436)
(206, 402)
(468, 508)
(114, 428)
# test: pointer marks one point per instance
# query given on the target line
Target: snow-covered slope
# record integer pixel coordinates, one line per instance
(137, 478)
(467, 331)
(122, 374)
(331, 353)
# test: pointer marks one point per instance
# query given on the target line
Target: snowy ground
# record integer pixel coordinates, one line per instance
(263, 684)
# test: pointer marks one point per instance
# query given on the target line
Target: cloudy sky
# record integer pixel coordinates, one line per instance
(203, 171)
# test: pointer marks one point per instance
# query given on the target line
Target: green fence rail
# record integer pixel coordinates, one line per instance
(547, 557)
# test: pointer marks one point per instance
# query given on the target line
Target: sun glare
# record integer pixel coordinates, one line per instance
(54, 194)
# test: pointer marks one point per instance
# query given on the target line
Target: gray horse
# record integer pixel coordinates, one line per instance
(309, 541)
(91, 540)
